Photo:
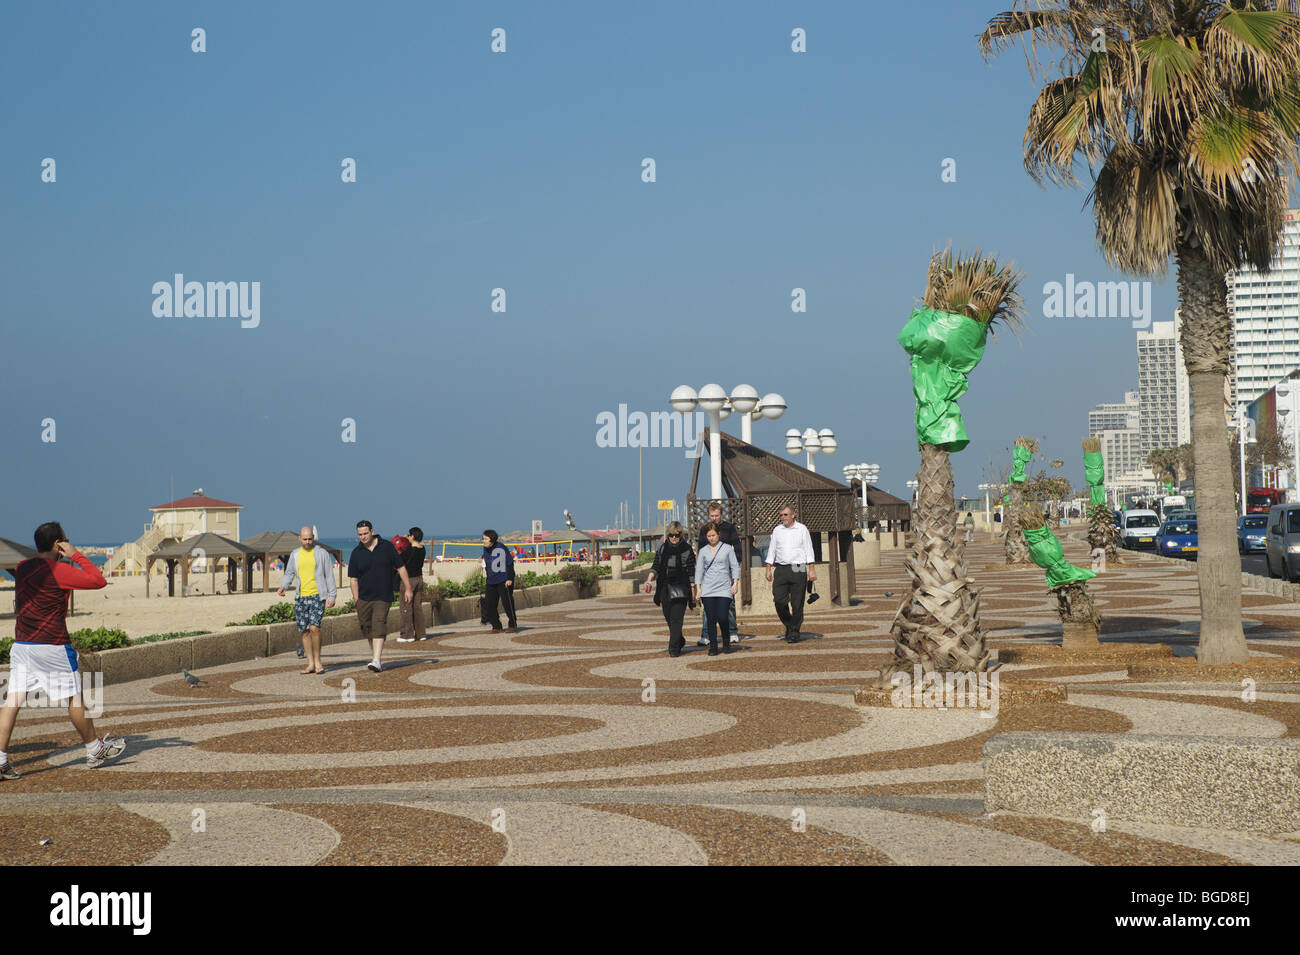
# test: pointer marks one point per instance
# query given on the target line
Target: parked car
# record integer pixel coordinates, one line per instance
(1139, 528)
(1177, 539)
(1282, 541)
(1250, 533)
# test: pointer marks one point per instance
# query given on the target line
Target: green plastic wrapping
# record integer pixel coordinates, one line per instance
(1045, 551)
(1020, 456)
(1095, 473)
(944, 348)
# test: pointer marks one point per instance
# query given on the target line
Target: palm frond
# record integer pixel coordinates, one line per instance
(974, 285)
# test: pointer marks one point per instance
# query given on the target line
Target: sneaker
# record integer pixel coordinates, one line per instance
(374, 666)
(301, 654)
(110, 747)
(7, 771)
(406, 639)
(703, 642)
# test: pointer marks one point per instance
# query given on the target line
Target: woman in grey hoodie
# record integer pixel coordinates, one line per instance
(716, 573)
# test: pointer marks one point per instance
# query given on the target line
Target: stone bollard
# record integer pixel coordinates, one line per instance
(616, 555)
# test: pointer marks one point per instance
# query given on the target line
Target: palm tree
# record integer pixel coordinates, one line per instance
(1103, 533)
(1080, 622)
(1186, 114)
(1014, 546)
(938, 627)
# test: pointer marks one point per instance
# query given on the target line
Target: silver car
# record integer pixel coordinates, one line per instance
(1282, 541)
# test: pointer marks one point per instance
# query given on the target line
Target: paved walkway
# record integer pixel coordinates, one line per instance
(542, 747)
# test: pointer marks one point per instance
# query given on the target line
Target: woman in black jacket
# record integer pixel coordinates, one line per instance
(672, 575)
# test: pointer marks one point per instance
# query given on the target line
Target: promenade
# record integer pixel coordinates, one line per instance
(542, 747)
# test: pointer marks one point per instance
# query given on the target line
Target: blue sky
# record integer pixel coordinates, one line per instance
(522, 171)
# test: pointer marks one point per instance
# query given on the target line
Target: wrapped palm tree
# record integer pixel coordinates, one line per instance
(1103, 534)
(1186, 115)
(937, 626)
(1080, 622)
(1014, 545)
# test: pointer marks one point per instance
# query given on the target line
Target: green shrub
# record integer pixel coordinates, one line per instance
(101, 638)
(279, 613)
(476, 584)
(584, 575)
(339, 609)
(5, 644)
(643, 559)
(155, 637)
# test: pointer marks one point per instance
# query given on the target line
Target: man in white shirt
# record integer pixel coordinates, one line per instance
(790, 567)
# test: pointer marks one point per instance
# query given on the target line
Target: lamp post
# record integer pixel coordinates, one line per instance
(1284, 391)
(715, 402)
(811, 441)
(987, 520)
(912, 486)
(1245, 436)
(865, 474)
(746, 403)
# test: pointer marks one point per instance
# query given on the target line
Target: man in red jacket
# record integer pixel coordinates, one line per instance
(42, 657)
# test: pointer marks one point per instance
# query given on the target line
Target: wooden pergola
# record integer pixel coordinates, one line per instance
(883, 510)
(208, 546)
(757, 485)
(281, 544)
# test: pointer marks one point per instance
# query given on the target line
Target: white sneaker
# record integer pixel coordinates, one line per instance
(703, 642)
(110, 747)
(406, 639)
(374, 666)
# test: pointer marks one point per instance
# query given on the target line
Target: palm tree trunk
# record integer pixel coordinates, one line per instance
(938, 625)
(1080, 622)
(1017, 551)
(1206, 341)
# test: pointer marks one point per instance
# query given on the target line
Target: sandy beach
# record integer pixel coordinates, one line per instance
(122, 604)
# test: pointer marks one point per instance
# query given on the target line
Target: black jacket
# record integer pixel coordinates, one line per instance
(682, 573)
(729, 534)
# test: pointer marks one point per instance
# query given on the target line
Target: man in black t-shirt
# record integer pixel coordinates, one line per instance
(728, 534)
(370, 570)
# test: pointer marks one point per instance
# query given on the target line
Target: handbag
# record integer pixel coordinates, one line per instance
(675, 591)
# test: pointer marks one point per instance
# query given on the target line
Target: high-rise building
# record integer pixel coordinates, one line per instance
(1121, 453)
(1115, 416)
(1164, 407)
(1265, 312)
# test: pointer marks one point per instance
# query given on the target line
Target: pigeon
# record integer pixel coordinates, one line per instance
(889, 593)
(191, 679)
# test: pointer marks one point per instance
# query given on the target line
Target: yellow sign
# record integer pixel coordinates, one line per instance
(667, 505)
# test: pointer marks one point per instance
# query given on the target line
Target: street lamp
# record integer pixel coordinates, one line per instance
(811, 441)
(865, 474)
(715, 402)
(913, 485)
(1245, 435)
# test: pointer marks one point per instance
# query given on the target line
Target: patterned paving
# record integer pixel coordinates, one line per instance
(542, 747)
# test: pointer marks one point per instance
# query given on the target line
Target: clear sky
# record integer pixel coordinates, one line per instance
(522, 171)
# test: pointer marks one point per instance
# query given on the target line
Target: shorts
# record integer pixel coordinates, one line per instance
(372, 615)
(49, 667)
(308, 611)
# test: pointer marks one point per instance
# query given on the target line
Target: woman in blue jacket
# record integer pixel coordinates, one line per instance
(716, 573)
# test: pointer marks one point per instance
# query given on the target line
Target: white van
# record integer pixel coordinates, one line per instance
(1139, 528)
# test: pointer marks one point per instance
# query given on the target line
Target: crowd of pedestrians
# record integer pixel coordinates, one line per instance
(708, 574)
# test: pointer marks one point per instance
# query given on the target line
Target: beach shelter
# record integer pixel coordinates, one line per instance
(271, 544)
(207, 546)
(13, 553)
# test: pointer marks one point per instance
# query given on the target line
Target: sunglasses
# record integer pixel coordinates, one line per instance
(674, 535)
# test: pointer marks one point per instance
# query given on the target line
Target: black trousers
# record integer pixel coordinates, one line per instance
(502, 593)
(674, 615)
(788, 592)
(715, 612)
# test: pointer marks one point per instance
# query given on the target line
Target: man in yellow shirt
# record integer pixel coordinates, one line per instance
(312, 567)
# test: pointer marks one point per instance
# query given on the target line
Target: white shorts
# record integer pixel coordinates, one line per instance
(49, 667)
